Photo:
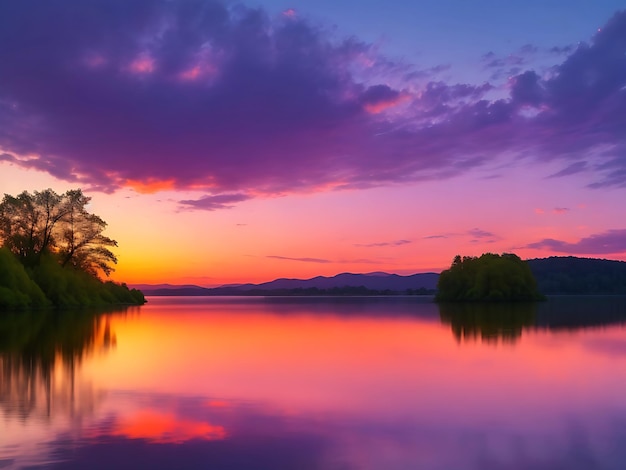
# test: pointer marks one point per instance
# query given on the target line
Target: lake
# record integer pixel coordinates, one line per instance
(317, 383)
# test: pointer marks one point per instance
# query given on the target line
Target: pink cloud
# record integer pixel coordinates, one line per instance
(142, 65)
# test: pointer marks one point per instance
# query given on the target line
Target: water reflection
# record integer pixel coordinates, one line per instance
(40, 353)
(490, 322)
(316, 384)
(503, 322)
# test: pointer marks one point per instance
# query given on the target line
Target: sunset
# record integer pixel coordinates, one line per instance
(229, 143)
(312, 235)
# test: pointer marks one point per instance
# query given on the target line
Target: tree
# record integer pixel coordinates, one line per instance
(32, 225)
(490, 277)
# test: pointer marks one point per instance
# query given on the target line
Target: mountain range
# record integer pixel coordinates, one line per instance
(554, 275)
(378, 282)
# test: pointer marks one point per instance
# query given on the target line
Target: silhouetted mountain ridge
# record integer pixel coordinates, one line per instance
(554, 275)
(344, 283)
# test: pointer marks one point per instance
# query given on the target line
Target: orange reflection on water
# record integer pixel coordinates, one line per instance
(298, 359)
(166, 428)
(308, 358)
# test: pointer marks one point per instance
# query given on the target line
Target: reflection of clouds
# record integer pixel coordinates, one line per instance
(161, 427)
(607, 346)
(368, 384)
(169, 429)
(597, 444)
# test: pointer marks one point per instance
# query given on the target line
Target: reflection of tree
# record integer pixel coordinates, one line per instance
(40, 357)
(491, 322)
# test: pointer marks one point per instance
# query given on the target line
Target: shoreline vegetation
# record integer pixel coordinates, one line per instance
(53, 252)
(49, 285)
(490, 277)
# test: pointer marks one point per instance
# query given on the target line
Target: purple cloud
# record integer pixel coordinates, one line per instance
(392, 243)
(211, 203)
(560, 210)
(196, 94)
(478, 233)
(571, 169)
(325, 261)
(609, 242)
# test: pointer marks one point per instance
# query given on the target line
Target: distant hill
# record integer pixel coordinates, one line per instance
(341, 284)
(152, 287)
(554, 275)
(571, 275)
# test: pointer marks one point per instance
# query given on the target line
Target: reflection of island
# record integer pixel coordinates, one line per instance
(493, 322)
(40, 356)
(490, 322)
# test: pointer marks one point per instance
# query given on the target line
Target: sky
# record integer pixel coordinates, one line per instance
(229, 142)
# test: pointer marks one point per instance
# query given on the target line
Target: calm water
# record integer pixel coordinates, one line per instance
(388, 383)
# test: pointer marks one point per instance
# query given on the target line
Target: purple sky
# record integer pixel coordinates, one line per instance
(220, 104)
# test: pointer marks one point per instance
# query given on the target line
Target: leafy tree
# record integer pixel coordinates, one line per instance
(491, 277)
(32, 225)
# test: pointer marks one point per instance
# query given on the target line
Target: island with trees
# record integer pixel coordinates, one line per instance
(490, 277)
(53, 253)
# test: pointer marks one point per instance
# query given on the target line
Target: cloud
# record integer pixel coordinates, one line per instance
(561, 50)
(609, 242)
(325, 261)
(560, 210)
(304, 260)
(433, 237)
(358, 261)
(204, 95)
(211, 203)
(571, 169)
(478, 233)
(381, 244)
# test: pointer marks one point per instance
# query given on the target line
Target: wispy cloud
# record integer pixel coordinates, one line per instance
(478, 233)
(303, 260)
(609, 242)
(325, 261)
(381, 244)
(211, 203)
(571, 169)
(560, 210)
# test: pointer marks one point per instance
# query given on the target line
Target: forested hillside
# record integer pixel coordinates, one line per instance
(571, 275)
